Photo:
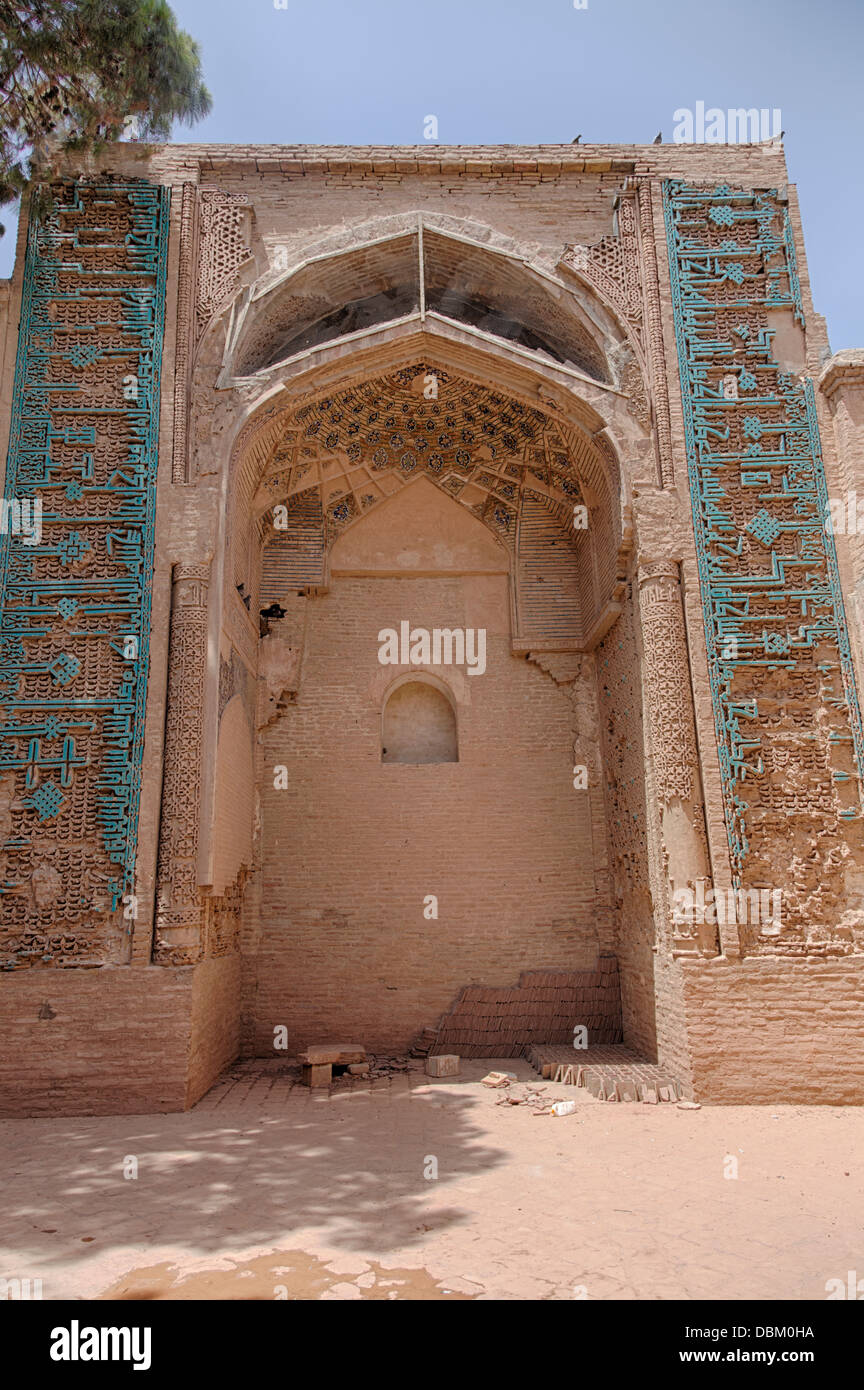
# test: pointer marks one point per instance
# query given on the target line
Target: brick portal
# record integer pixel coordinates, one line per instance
(538, 412)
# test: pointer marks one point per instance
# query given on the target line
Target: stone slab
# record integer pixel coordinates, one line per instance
(336, 1054)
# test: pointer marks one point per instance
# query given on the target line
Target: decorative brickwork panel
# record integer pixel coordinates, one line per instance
(179, 906)
(620, 699)
(667, 681)
(612, 264)
(75, 606)
(223, 247)
(786, 711)
(183, 344)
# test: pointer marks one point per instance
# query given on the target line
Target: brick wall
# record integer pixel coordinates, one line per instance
(118, 1040)
(768, 1030)
(215, 1026)
(112, 1041)
(352, 847)
(541, 211)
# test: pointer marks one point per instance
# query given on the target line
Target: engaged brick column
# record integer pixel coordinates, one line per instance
(842, 387)
(674, 752)
(654, 336)
(179, 914)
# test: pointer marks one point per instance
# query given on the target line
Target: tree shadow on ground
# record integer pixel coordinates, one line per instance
(357, 1167)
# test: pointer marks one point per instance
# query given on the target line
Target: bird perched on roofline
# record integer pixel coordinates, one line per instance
(658, 138)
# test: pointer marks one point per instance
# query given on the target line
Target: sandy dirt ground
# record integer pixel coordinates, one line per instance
(408, 1188)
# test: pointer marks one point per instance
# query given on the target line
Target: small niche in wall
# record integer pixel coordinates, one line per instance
(418, 725)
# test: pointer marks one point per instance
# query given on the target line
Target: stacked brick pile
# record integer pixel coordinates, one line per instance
(545, 1007)
(609, 1073)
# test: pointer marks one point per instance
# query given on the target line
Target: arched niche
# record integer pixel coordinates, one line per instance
(418, 723)
(364, 531)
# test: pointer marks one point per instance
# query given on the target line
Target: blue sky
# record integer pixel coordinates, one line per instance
(540, 71)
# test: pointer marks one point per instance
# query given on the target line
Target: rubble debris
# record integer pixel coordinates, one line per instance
(390, 1066)
(372, 1068)
(534, 1098)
